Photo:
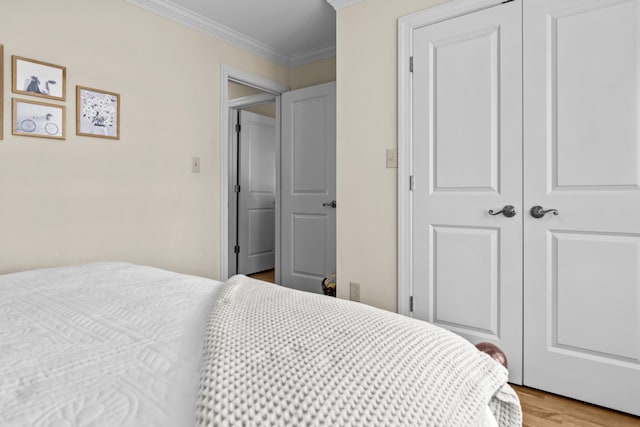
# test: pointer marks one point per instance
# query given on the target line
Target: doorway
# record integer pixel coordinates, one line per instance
(266, 89)
(305, 202)
(252, 180)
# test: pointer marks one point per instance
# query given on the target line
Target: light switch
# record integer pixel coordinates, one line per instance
(195, 165)
(392, 158)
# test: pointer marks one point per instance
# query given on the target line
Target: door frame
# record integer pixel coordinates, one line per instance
(406, 25)
(231, 74)
(236, 105)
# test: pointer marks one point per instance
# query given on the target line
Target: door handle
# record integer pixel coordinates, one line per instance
(539, 212)
(508, 211)
(331, 204)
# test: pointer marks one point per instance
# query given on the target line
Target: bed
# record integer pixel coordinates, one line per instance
(117, 344)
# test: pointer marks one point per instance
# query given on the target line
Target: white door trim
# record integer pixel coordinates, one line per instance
(227, 74)
(406, 25)
(251, 100)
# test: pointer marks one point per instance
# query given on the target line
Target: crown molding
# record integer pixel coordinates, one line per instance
(339, 4)
(307, 57)
(198, 22)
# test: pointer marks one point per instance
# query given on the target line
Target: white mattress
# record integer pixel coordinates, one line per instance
(104, 344)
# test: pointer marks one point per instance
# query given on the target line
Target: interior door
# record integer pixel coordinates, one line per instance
(308, 170)
(256, 199)
(467, 164)
(582, 154)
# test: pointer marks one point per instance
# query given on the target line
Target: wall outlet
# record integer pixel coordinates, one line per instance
(354, 291)
(195, 164)
(392, 158)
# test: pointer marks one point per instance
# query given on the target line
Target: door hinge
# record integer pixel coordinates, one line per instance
(411, 183)
(236, 249)
(411, 63)
(236, 188)
(238, 127)
(411, 303)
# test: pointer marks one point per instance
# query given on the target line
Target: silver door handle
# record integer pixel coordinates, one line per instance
(331, 204)
(539, 212)
(508, 211)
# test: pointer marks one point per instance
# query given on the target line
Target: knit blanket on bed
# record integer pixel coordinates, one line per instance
(279, 357)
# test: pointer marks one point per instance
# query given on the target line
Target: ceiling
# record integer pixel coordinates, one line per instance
(289, 32)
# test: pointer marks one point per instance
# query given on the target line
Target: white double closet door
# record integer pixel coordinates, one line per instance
(533, 103)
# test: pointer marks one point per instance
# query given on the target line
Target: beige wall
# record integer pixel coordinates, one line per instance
(313, 74)
(367, 127)
(239, 91)
(135, 200)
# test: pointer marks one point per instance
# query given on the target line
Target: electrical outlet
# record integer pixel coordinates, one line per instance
(195, 165)
(392, 158)
(354, 291)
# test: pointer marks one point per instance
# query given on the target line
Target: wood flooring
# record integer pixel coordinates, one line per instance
(265, 276)
(545, 409)
(549, 410)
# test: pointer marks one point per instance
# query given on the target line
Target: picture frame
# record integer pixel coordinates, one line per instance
(97, 113)
(1, 92)
(39, 119)
(37, 78)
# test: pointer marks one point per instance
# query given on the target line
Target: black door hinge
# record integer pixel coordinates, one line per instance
(411, 63)
(411, 304)
(238, 127)
(236, 249)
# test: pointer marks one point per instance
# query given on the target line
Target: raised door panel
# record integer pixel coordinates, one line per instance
(595, 293)
(465, 279)
(310, 152)
(463, 68)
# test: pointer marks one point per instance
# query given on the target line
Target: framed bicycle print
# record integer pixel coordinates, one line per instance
(38, 119)
(37, 78)
(97, 113)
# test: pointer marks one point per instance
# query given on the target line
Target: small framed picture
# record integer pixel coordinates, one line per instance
(38, 119)
(37, 78)
(97, 113)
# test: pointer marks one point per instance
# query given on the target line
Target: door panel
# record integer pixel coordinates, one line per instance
(466, 263)
(467, 160)
(463, 67)
(308, 170)
(309, 260)
(582, 267)
(256, 211)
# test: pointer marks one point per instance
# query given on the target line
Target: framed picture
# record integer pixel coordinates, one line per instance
(97, 113)
(36, 78)
(38, 119)
(1, 92)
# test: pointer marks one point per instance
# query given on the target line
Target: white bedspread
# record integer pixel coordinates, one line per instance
(104, 344)
(278, 357)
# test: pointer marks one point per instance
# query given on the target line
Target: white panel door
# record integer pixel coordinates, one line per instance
(308, 168)
(467, 160)
(582, 154)
(256, 208)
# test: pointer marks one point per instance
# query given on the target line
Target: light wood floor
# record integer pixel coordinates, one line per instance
(549, 410)
(545, 409)
(266, 276)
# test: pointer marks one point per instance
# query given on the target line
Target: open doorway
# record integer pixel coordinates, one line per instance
(305, 194)
(252, 182)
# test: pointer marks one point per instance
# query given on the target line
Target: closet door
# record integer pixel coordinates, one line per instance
(582, 154)
(467, 161)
